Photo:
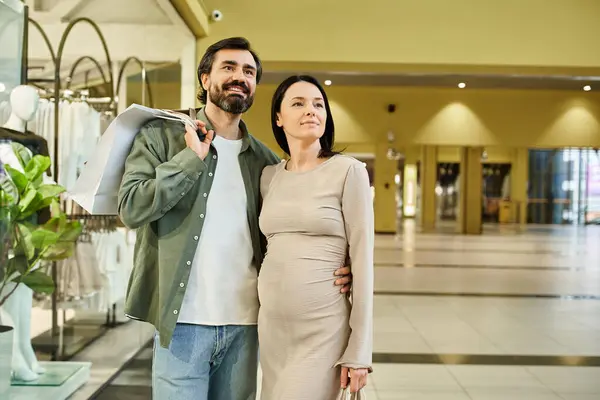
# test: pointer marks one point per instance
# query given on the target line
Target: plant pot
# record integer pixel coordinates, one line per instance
(6, 350)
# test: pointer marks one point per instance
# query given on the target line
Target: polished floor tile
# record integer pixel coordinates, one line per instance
(505, 377)
(388, 378)
(575, 396)
(512, 394)
(423, 394)
(508, 315)
(573, 380)
(400, 343)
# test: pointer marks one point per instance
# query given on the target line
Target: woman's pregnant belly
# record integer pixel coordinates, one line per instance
(297, 278)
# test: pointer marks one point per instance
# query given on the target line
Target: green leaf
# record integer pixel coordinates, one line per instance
(22, 154)
(59, 251)
(59, 220)
(55, 208)
(8, 190)
(50, 191)
(67, 232)
(17, 264)
(53, 224)
(39, 282)
(31, 203)
(25, 241)
(18, 178)
(28, 199)
(36, 168)
(42, 238)
(8, 213)
(71, 231)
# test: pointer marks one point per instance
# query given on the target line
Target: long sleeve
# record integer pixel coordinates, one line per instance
(151, 187)
(357, 208)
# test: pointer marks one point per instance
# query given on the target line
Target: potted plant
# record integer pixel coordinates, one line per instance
(24, 243)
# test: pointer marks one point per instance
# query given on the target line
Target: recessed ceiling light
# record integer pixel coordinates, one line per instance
(587, 88)
(327, 82)
(462, 85)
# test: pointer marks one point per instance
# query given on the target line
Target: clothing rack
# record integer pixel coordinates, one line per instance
(75, 95)
(52, 90)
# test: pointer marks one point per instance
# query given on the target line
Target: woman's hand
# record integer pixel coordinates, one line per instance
(345, 279)
(358, 378)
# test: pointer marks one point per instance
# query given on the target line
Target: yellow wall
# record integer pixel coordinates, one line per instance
(497, 119)
(516, 33)
(495, 155)
(504, 122)
(164, 94)
(459, 36)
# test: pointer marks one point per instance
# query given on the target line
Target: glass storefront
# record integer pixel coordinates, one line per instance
(564, 186)
(495, 188)
(446, 190)
(12, 24)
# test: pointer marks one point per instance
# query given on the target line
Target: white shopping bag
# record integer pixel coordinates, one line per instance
(98, 184)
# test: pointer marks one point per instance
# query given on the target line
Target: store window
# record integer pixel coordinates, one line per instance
(12, 24)
(495, 188)
(564, 186)
(446, 190)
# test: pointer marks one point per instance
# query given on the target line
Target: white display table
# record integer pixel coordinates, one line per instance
(60, 381)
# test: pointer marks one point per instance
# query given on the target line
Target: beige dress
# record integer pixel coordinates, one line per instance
(307, 329)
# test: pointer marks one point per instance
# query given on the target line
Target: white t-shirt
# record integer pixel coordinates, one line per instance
(222, 288)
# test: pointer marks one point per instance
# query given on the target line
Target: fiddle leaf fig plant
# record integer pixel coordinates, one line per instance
(25, 244)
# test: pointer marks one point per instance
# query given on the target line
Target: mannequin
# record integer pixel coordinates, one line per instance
(24, 101)
(16, 311)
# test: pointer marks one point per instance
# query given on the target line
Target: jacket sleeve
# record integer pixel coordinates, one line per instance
(151, 187)
(357, 208)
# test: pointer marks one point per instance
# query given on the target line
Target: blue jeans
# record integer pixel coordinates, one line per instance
(206, 363)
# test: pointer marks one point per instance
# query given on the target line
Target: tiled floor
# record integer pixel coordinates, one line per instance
(503, 316)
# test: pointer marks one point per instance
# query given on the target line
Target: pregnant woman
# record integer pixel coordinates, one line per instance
(317, 210)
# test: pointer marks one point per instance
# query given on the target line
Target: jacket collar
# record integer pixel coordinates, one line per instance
(246, 139)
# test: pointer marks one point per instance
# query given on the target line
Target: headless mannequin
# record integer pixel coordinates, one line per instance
(16, 312)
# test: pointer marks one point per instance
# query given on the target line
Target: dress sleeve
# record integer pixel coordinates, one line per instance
(357, 209)
(266, 177)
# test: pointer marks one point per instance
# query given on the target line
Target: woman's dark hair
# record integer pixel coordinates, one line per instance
(234, 43)
(328, 138)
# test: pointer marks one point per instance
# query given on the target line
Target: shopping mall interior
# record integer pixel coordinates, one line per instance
(478, 123)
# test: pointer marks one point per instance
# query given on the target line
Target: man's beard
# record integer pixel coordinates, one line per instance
(231, 103)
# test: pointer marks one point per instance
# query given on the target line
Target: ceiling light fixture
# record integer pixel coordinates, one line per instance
(587, 88)
(327, 82)
(462, 85)
(2, 87)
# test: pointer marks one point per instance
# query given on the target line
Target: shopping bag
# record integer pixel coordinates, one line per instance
(97, 186)
(345, 394)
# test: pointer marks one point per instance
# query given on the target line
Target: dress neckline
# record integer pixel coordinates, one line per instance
(310, 170)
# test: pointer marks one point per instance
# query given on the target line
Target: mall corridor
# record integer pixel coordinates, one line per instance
(501, 316)
(478, 123)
